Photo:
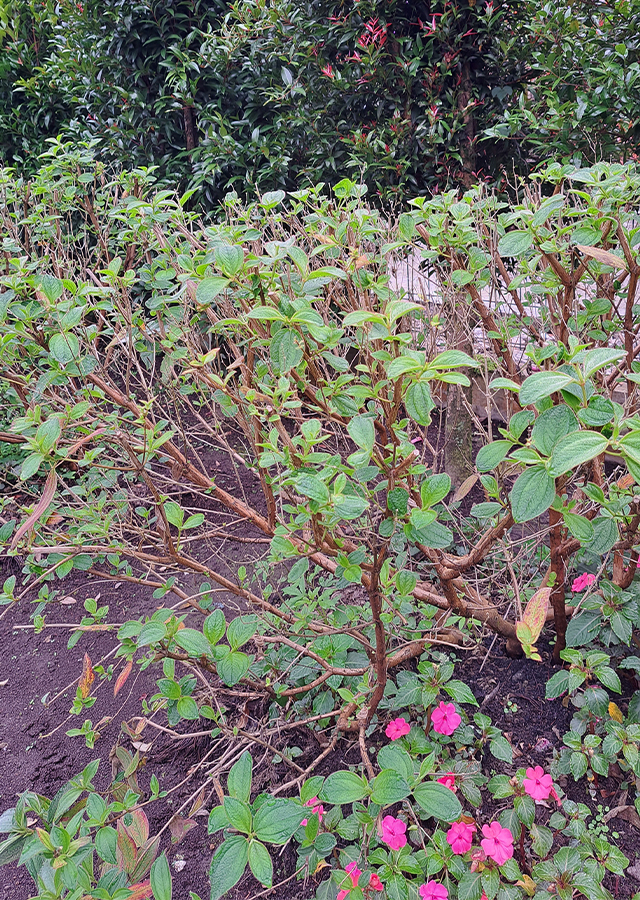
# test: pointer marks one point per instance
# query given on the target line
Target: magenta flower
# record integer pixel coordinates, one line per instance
(375, 884)
(433, 890)
(397, 728)
(582, 581)
(497, 843)
(449, 781)
(354, 873)
(445, 719)
(460, 837)
(393, 832)
(537, 784)
(318, 809)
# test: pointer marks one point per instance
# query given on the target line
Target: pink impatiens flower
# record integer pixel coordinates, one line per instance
(582, 581)
(445, 719)
(397, 728)
(433, 890)
(449, 781)
(497, 843)
(354, 873)
(317, 808)
(537, 784)
(375, 884)
(393, 832)
(460, 837)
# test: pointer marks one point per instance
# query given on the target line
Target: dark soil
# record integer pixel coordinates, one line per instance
(38, 755)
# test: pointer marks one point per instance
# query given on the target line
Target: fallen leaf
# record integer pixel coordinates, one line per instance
(179, 827)
(2, 683)
(87, 678)
(628, 813)
(48, 493)
(465, 487)
(68, 601)
(122, 677)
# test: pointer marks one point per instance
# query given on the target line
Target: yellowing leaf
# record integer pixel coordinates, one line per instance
(528, 885)
(87, 678)
(535, 613)
(615, 712)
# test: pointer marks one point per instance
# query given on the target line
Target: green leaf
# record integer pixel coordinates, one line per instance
(598, 413)
(229, 258)
(551, 426)
(260, 863)
(188, 708)
(343, 787)
(51, 287)
(438, 801)
(238, 813)
(403, 364)
(558, 684)
(241, 630)
(605, 535)
(541, 385)
(228, 865)
(284, 351)
(362, 432)
(599, 358)
(160, 877)
(434, 489)
(311, 486)
(470, 886)
(515, 243)
(350, 507)
(276, 820)
(239, 778)
(575, 449)
(491, 455)
(579, 526)
(532, 494)
(106, 843)
(390, 756)
(194, 642)
(419, 403)
(232, 667)
(31, 465)
(578, 764)
(64, 347)
(501, 749)
(48, 433)
(389, 787)
(460, 692)
(583, 628)
(452, 359)
(436, 536)
(174, 513)
(525, 809)
(209, 288)
(151, 633)
(214, 626)
(397, 501)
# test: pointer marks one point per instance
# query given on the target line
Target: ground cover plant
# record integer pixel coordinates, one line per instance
(136, 340)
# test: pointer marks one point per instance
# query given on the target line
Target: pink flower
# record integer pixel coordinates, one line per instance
(354, 873)
(460, 837)
(449, 780)
(497, 843)
(393, 832)
(433, 890)
(328, 71)
(375, 884)
(318, 808)
(582, 581)
(537, 784)
(445, 719)
(397, 728)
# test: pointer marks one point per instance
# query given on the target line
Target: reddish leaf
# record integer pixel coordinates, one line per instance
(140, 891)
(535, 614)
(87, 678)
(179, 826)
(138, 828)
(126, 851)
(41, 507)
(122, 677)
